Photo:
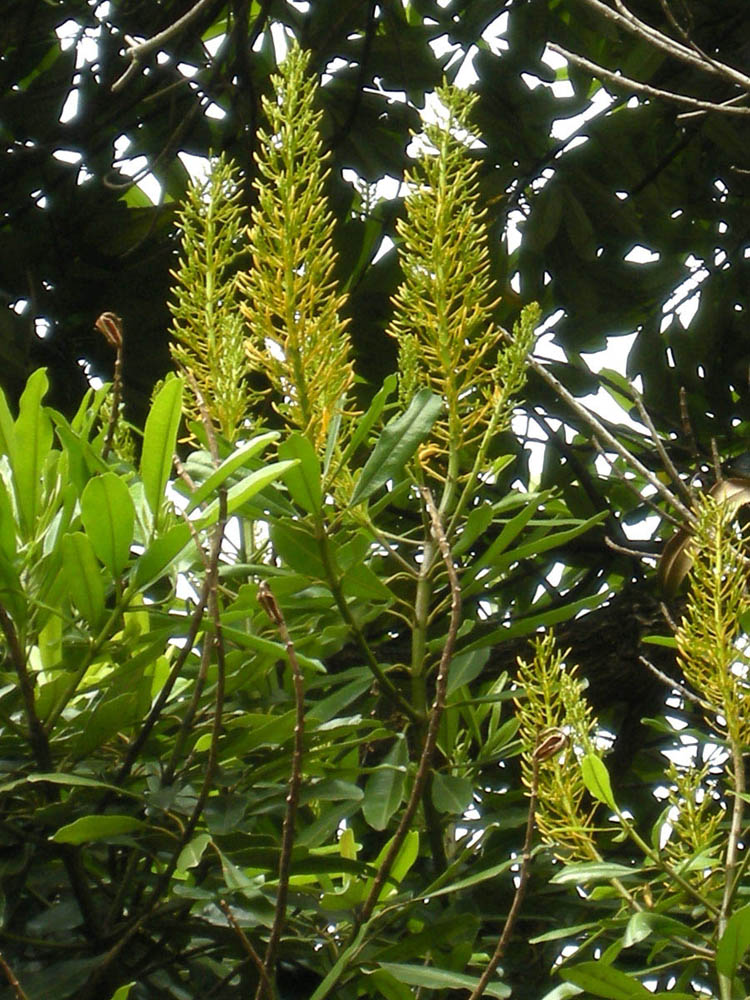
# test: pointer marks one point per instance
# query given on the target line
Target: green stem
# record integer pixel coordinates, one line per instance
(388, 687)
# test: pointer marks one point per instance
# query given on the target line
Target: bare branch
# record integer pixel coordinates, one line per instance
(270, 606)
(547, 745)
(248, 946)
(18, 991)
(617, 79)
(436, 713)
(601, 431)
(37, 735)
(138, 51)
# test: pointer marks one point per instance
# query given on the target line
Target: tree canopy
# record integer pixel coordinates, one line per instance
(295, 753)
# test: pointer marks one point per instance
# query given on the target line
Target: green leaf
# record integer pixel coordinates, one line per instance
(191, 853)
(370, 417)
(465, 667)
(441, 979)
(123, 992)
(235, 461)
(451, 793)
(91, 828)
(384, 790)
(159, 438)
(159, 556)
(108, 516)
(734, 942)
(592, 871)
(33, 440)
(604, 981)
(7, 431)
(83, 577)
(303, 481)
(397, 443)
(243, 491)
(596, 779)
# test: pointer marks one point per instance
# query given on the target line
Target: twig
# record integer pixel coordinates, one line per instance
(247, 945)
(610, 439)
(548, 744)
(617, 79)
(672, 684)
(268, 602)
(625, 19)
(151, 719)
(667, 462)
(13, 982)
(625, 551)
(37, 735)
(436, 712)
(138, 51)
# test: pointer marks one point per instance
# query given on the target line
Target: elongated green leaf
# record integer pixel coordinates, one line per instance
(160, 555)
(7, 431)
(90, 828)
(592, 871)
(734, 942)
(530, 549)
(603, 981)
(512, 529)
(526, 626)
(596, 779)
(368, 420)
(108, 516)
(303, 482)
(235, 461)
(441, 979)
(397, 443)
(159, 439)
(33, 440)
(243, 491)
(83, 577)
(385, 788)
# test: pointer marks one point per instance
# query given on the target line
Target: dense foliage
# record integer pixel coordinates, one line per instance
(263, 729)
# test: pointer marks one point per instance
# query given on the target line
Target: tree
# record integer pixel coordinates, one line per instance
(495, 531)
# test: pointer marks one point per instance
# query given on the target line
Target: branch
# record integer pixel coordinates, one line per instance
(247, 945)
(138, 51)
(617, 79)
(610, 439)
(625, 19)
(435, 714)
(548, 744)
(37, 735)
(13, 982)
(272, 609)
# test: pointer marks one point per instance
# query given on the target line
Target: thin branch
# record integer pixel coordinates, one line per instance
(156, 709)
(617, 79)
(735, 832)
(672, 684)
(436, 712)
(274, 612)
(247, 945)
(610, 439)
(138, 51)
(37, 735)
(13, 982)
(667, 462)
(548, 744)
(625, 19)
